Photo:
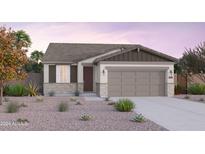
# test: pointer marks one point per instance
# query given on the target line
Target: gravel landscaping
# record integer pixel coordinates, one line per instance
(44, 115)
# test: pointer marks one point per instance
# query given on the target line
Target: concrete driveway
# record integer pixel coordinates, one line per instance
(172, 113)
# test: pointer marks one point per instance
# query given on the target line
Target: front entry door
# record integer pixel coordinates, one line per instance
(88, 78)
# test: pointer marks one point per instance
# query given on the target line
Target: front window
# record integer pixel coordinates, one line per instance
(63, 73)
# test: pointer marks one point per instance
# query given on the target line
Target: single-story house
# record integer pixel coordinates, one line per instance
(107, 70)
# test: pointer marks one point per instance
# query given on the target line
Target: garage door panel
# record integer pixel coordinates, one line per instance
(142, 90)
(136, 83)
(114, 87)
(114, 90)
(156, 77)
(128, 88)
(116, 81)
(142, 77)
(157, 90)
(128, 78)
(128, 93)
(115, 94)
(128, 74)
(114, 74)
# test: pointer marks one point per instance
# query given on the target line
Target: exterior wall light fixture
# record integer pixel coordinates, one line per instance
(103, 72)
(171, 74)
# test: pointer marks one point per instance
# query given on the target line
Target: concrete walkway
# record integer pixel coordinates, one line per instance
(172, 113)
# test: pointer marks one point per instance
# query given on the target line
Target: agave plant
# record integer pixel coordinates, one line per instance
(85, 117)
(32, 89)
(138, 118)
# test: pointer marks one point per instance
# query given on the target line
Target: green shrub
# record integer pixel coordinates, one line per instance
(15, 90)
(85, 117)
(124, 105)
(32, 89)
(63, 106)
(196, 89)
(138, 118)
(12, 107)
(51, 93)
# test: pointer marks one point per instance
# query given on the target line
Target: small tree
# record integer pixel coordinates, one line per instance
(13, 57)
(193, 61)
(37, 56)
(35, 65)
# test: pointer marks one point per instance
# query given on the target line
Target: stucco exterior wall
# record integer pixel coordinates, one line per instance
(45, 73)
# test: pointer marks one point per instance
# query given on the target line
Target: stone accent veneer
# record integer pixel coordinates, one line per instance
(102, 89)
(62, 88)
(170, 89)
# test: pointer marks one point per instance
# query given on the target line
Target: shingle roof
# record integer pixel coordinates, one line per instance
(75, 52)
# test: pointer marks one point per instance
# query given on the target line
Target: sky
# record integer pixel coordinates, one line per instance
(170, 38)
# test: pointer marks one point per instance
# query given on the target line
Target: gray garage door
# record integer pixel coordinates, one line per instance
(136, 83)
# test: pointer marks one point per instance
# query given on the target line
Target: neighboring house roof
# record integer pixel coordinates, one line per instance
(75, 52)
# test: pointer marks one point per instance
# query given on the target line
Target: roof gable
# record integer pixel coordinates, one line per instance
(138, 53)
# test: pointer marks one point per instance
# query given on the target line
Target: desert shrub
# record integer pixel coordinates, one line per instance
(32, 89)
(39, 98)
(78, 103)
(16, 90)
(196, 89)
(73, 99)
(22, 105)
(138, 118)
(63, 106)
(51, 93)
(22, 120)
(12, 107)
(85, 117)
(124, 105)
